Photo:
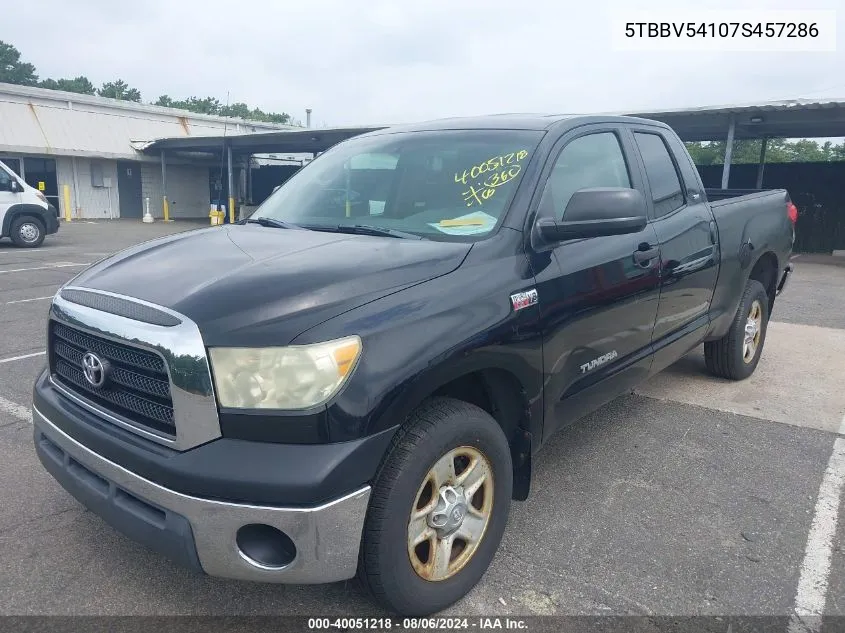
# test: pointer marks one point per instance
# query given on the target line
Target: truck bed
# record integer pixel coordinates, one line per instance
(745, 223)
(716, 194)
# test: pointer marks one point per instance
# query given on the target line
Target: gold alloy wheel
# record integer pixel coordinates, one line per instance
(450, 513)
(753, 328)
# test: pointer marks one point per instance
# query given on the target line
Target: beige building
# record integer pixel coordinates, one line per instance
(84, 152)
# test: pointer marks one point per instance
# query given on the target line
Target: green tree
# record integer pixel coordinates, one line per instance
(119, 89)
(206, 105)
(81, 85)
(13, 70)
(211, 105)
(278, 117)
(240, 110)
(777, 151)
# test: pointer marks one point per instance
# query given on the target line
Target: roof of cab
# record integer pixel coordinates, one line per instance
(509, 122)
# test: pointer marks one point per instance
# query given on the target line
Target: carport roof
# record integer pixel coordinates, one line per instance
(796, 118)
(306, 141)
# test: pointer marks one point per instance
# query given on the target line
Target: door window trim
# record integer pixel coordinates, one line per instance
(629, 155)
(659, 132)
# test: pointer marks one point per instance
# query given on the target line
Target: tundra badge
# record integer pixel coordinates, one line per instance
(598, 362)
(525, 299)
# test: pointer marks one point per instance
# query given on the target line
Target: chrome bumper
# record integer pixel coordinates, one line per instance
(326, 537)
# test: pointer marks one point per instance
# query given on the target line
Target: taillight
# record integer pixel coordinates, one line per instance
(792, 212)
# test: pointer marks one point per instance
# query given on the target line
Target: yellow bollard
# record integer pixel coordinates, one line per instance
(165, 208)
(68, 215)
(231, 210)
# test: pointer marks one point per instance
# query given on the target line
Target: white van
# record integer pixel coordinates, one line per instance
(25, 214)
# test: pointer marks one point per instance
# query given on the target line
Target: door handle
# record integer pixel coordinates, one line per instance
(644, 257)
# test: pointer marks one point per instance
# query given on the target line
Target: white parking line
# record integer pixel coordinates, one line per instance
(28, 300)
(59, 265)
(12, 408)
(815, 568)
(9, 360)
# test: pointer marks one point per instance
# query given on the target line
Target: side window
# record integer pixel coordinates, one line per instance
(666, 191)
(688, 168)
(5, 181)
(593, 160)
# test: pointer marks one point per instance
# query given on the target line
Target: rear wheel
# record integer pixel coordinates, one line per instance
(27, 232)
(735, 355)
(438, 510)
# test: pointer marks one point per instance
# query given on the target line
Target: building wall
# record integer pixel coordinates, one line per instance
(88, 201)
(64, 176)
(187, 190)
(39, 121)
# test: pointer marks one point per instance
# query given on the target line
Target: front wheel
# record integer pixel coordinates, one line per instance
(735, 355)
(27, 232)
(438, 509)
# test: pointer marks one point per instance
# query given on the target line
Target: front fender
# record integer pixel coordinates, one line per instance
(45, 214)
(419, 339)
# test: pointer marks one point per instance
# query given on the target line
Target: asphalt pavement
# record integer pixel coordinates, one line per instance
(691, 496)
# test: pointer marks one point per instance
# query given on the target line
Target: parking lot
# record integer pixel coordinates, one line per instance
(692, 496)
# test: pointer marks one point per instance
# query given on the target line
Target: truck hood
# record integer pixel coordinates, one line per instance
(252, 285)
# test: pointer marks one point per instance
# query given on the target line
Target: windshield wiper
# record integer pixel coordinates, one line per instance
(276, 224)
(365, 229)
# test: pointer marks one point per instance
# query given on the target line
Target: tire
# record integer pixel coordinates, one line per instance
(730, 357)
(27, 231)
(404, 486)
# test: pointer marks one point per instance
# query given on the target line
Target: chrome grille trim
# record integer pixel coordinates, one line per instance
(182, 349)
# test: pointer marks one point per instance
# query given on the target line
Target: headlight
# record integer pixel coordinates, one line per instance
(295, 377)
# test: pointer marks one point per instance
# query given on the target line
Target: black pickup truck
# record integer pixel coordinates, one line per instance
(357, 378)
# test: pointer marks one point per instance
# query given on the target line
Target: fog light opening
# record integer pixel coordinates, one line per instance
(264, 546)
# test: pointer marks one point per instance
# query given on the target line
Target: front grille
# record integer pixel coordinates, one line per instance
(137, 388)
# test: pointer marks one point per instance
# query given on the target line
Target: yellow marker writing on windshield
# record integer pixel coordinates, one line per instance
(484, 178)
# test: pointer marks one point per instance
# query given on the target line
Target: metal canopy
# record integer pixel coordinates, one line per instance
(307, 141)
(801, 118)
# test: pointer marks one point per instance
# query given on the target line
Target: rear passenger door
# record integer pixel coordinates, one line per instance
(688, 242)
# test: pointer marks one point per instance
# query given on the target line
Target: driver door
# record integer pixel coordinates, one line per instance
(598, 296)
(7, 196)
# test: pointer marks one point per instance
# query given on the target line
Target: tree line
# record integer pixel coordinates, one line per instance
(778, 150)
(15, 71)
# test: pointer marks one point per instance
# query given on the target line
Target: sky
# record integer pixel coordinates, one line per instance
(395, 61)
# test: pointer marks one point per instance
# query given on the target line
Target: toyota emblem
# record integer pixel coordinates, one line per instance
(94, 370)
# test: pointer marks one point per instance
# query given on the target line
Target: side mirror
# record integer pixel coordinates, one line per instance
(15, 186)
(597, 212)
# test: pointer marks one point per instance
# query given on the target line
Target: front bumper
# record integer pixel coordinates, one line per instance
(202, 533)
(52, 219)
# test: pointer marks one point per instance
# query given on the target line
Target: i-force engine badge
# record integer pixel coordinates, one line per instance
(525, 299)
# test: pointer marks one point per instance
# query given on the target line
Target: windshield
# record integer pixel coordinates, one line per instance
(441, 185)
